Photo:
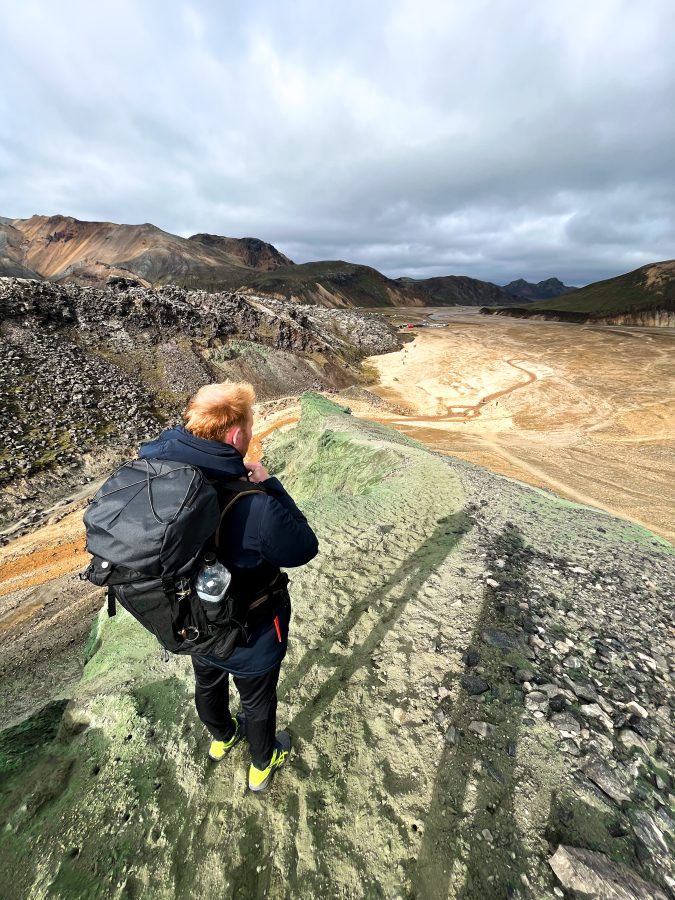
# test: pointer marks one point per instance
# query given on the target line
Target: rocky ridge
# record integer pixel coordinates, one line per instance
(478, 708)
(84, 368)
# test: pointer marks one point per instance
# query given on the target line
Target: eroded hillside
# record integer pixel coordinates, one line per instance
(85, 373)
(470, 686)
(62, 248)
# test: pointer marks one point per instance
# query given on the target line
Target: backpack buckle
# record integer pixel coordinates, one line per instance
(190, 634)
(183, 588)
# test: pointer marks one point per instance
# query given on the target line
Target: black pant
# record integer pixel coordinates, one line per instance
(258, 699)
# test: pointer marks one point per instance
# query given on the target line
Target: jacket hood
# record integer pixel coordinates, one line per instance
(214, 458)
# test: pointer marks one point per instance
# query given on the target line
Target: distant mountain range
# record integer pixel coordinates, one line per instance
(64, 249)
(543, 290)
(645, 296)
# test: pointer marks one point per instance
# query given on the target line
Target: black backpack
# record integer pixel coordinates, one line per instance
(147, 527)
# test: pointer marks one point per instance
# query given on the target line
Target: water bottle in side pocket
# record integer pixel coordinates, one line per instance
(213, 580)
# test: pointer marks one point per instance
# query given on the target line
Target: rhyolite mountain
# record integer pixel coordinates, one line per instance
(645, 296)
(64, 249)
(542, 290)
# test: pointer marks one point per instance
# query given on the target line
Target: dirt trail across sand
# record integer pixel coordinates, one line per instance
(465, 413)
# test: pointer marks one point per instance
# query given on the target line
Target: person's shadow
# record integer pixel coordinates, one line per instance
(451, 860)
(415, 569)
(472, 793)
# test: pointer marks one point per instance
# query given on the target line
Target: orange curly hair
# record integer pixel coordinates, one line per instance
(216, 408)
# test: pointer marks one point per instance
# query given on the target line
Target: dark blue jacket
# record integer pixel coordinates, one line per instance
(264, 531)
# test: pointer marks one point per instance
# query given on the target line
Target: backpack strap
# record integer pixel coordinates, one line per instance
(278, 583)
(239, 489)
(112, 605)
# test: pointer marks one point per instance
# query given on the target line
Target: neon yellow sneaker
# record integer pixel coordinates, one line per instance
(260, 779)
(219, 749)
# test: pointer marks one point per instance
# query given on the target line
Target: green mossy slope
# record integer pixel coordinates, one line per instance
(390, 791)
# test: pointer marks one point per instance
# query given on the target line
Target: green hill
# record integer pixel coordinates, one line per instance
(333, 283)
(338, 283)
(645, 296)
(458, 290)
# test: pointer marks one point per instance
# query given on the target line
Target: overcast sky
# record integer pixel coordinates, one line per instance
(499, 139)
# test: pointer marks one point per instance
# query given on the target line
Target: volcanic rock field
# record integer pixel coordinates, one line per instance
(83, 369)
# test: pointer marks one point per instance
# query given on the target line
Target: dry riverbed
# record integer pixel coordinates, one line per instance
(586, 411)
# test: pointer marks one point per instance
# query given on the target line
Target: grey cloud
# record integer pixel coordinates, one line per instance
(492, 139)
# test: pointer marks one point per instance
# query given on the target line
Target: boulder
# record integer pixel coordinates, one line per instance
(593, 875)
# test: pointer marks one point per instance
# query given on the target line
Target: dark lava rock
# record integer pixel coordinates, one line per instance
(474, 684)
(504, 642)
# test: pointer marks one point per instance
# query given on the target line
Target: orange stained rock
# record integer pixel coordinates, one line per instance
(255, 448)
(39, 566)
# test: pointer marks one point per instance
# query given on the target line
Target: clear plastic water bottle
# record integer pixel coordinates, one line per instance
(213, 580)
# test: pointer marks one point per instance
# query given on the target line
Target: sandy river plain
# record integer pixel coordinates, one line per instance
(585, 411)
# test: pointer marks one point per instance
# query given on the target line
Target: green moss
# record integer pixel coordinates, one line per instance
(331, 454)
(20, 743)
(48, 457)
(93, 641)
(159, 701)
(107, 666)
(580, 819)
(233, 348)
(74, 881)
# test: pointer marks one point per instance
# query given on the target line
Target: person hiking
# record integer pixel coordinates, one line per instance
(259, 534)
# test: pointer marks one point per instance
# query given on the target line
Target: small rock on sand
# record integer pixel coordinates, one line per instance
(482, 729)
